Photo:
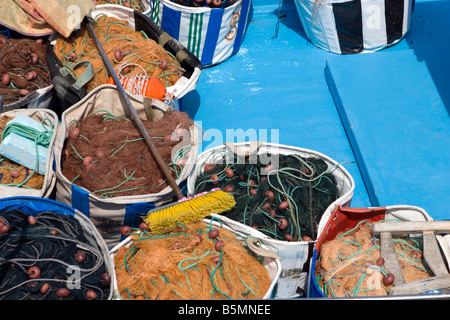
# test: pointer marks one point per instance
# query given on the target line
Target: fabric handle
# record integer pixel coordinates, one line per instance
(85, 77)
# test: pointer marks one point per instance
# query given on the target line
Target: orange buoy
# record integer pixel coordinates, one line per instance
(151, 86)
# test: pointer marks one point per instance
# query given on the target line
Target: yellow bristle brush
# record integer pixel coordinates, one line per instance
(186, 210)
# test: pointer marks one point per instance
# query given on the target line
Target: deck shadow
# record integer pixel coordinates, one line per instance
(428, 38)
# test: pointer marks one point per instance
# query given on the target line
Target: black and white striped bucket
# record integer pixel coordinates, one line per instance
(355, 26)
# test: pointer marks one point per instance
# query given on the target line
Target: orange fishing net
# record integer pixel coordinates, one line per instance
(14, 174)
(108, 156)
(131, 52)
(188, 264)
(133, 4)
(348, 265)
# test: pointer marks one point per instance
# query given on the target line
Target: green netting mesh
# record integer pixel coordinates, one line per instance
(307, 185)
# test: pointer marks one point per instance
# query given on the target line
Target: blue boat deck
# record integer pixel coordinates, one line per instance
(384, 115)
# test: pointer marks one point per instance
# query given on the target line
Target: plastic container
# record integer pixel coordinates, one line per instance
(212, 34)
(296, 255)
(343, 218)
(50, 176)
(354, 26)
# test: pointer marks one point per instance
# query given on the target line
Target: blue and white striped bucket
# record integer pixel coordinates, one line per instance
(212, 35)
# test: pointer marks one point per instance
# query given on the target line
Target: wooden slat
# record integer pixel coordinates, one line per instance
(411, 227)
(432, 254)
(421, 286)
(390, 258)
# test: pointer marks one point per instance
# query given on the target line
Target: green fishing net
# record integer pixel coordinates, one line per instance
(284, 199)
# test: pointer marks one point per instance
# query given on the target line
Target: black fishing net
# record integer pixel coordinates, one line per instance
(49, 256)
(218, 4)
(284, 200)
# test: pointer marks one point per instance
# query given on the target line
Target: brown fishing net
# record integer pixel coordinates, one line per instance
(348, 265)
(13, 174)
(107, 155)
(23, 67)
(131, 51)
(188, 264)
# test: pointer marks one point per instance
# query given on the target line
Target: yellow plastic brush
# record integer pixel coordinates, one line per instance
(186, 210)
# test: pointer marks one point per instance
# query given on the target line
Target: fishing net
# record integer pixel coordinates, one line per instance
(23, 67)
(46, 256)
(205, 3)
(107, 155)
(349, 265)
(189, 263)
(284, 200)
(133, 52)
(133, 4)
(13, 174)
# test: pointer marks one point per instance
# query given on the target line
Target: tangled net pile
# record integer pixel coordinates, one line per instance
(284, 201)
(108, 156)
(206, 3)
(41, 256)
(13, 174)
(133, 52)
(23, 68)
(349, 265)
(189, 263)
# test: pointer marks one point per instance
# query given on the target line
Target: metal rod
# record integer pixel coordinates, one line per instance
(130, 110)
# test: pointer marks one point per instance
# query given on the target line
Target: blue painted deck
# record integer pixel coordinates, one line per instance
(276, 90)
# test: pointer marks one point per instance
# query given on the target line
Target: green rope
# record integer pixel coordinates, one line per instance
(193, 258)
(42, 138)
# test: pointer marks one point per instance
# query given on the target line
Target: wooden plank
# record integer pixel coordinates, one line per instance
(432, 254)
(421, 286)
(390, 258)
(411, 227)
